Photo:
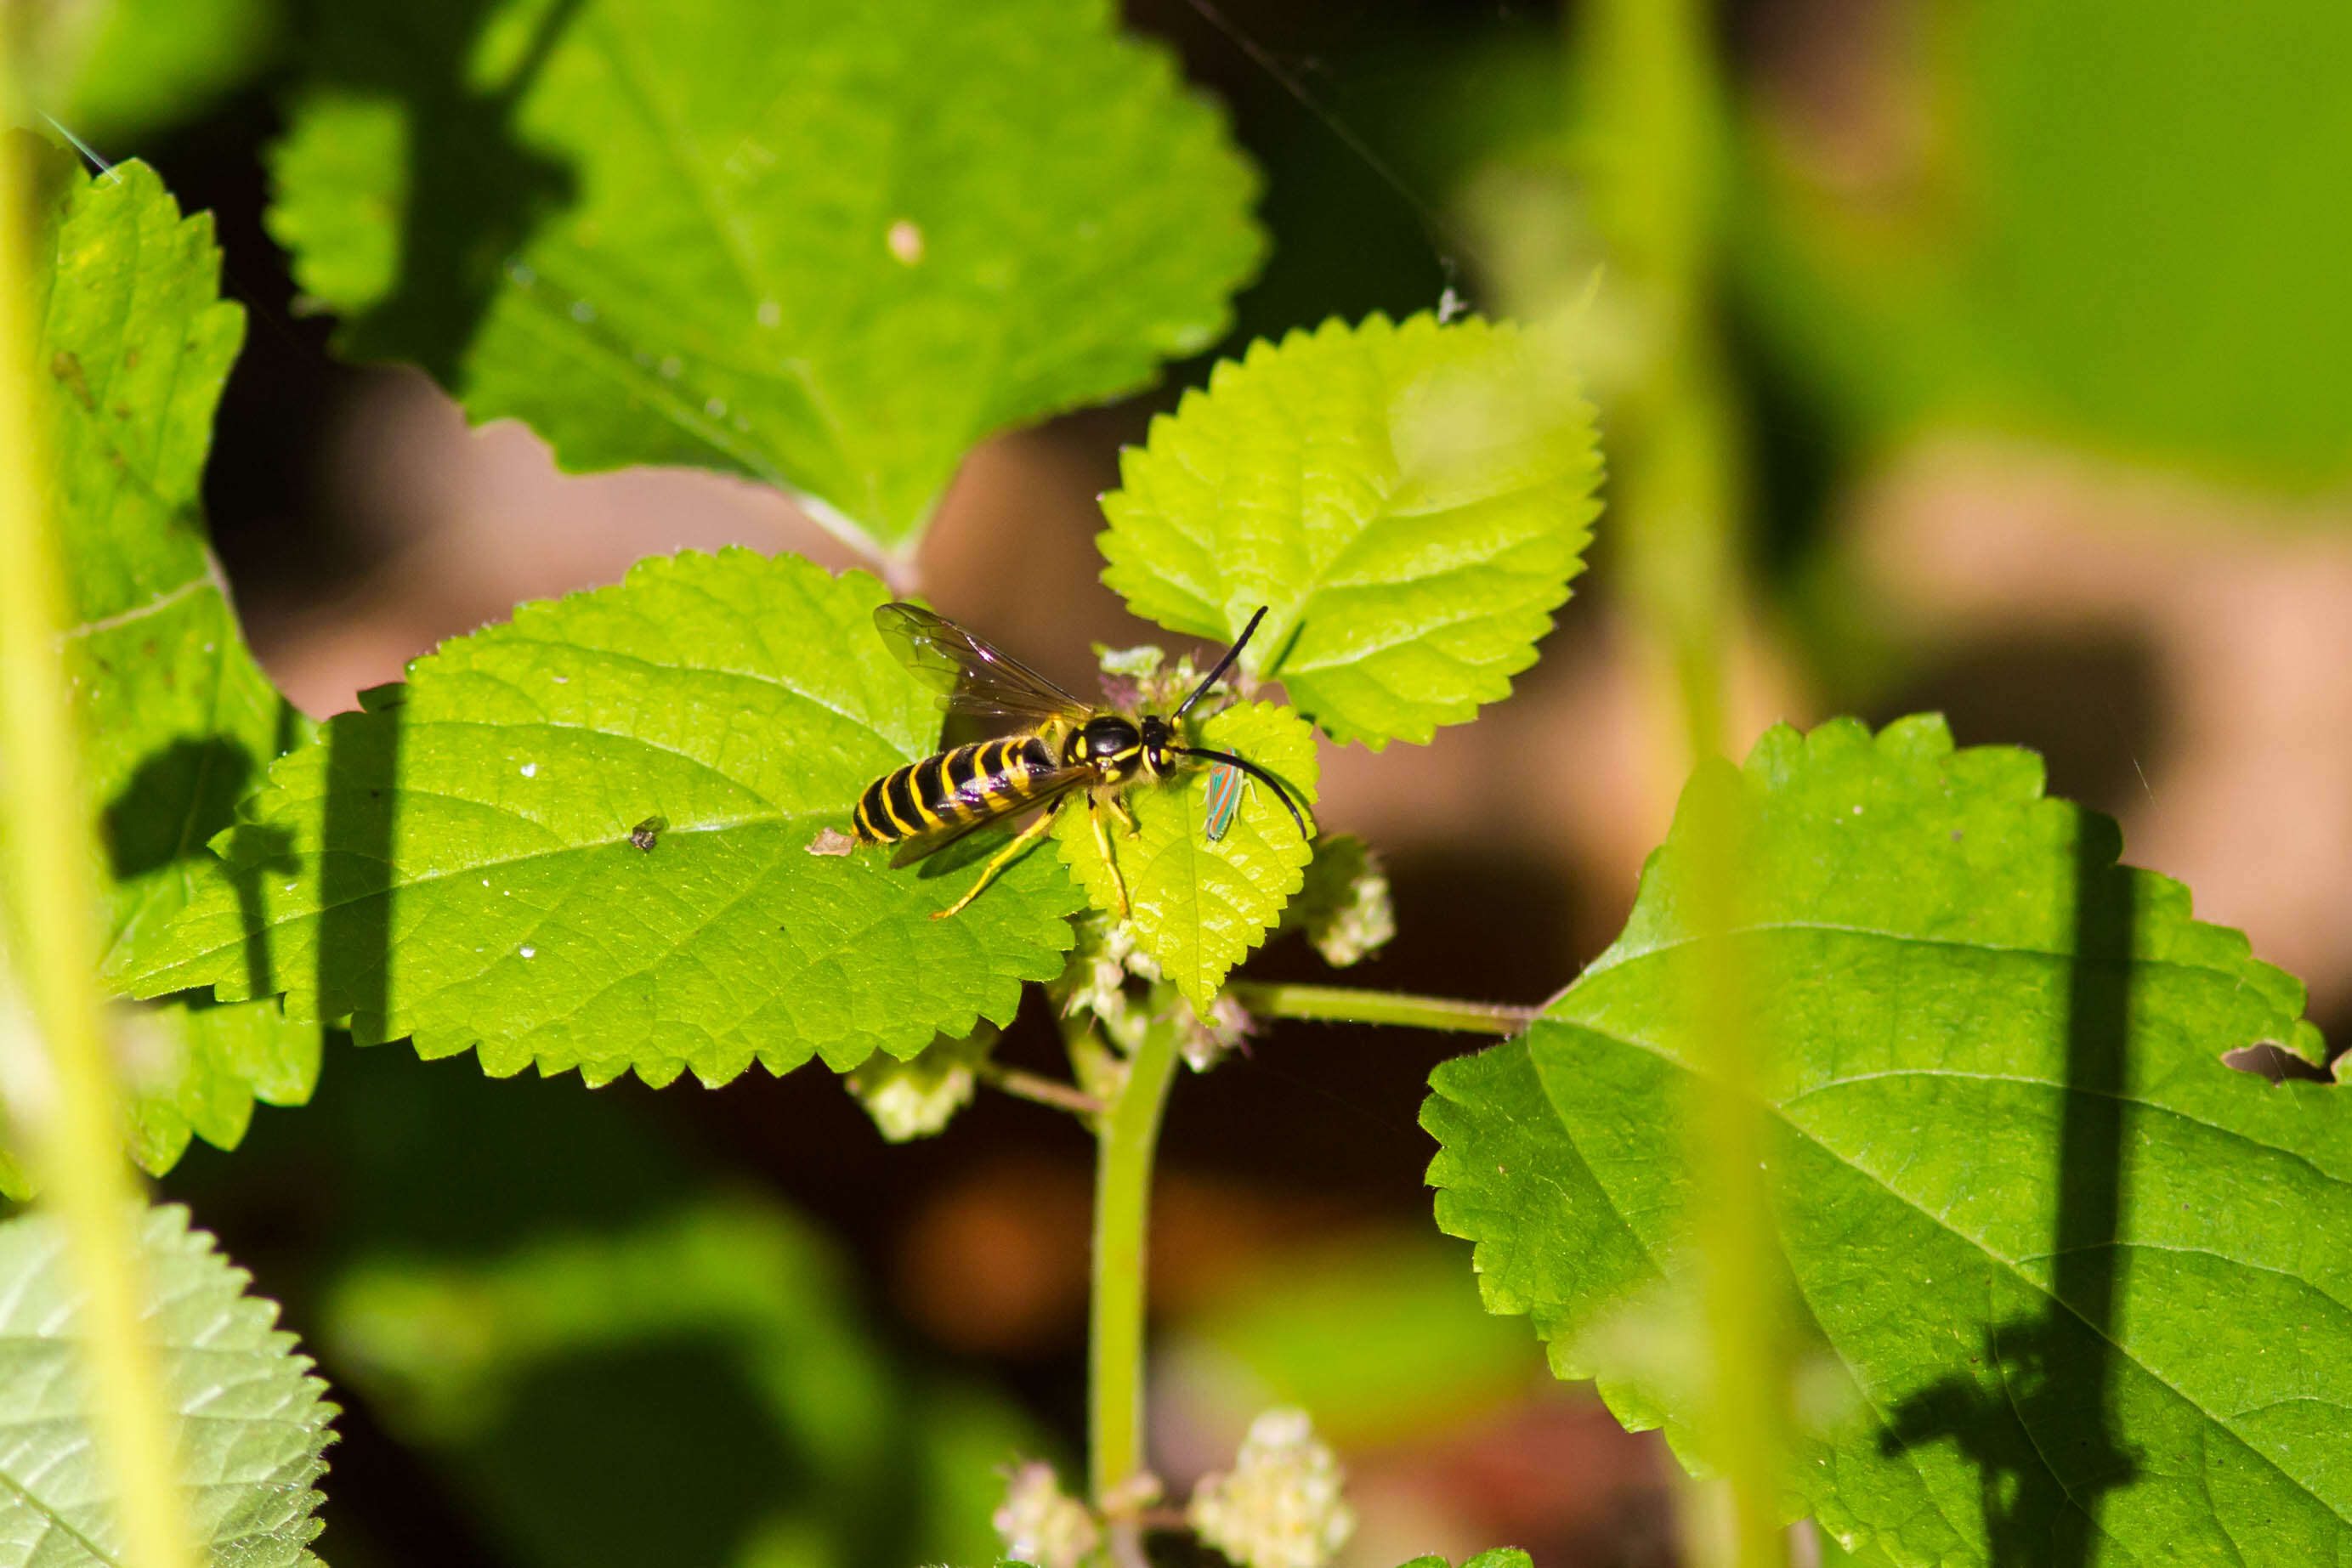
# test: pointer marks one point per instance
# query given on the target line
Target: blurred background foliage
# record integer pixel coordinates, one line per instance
(2101, 225)
(2037, 340)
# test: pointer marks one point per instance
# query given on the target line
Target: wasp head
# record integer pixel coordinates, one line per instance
(1157, 736)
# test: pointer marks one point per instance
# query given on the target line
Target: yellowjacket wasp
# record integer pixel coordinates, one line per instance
(1068, 745)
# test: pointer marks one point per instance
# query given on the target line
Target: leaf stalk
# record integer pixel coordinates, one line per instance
(1345, 1004)
(1040, 1090)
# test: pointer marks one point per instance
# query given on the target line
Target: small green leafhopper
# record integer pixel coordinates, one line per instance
(1225, 785)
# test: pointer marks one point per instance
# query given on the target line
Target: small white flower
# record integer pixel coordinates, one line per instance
(1100, 972)
(1102, 976)
(1281, 1506)
(915, 1099)
(1362, 925)
(1205, 1041)
(1041, 1525)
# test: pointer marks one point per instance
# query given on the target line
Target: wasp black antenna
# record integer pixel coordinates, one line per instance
(1254, 770)
(1223, 665)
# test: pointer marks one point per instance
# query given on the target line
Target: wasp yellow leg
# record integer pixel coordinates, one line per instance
(1021, 841)
(1102, 842)
(1117, 808)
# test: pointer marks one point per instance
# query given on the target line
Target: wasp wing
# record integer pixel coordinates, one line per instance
(1047, 787)
(969, 675)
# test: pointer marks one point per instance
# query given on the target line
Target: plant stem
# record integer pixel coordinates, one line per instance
(1742, 1307)
(1128, 1138)
(1342, 1004)
(74, 1124)
(1655, 123)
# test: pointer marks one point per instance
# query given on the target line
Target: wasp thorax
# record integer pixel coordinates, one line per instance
(1106, 738)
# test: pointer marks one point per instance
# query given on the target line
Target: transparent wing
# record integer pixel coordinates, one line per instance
(969, 676)
(1052, 786)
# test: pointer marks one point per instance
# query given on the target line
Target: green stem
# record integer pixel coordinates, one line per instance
(74, 1126)
(1129, 1138)
(1656, 124)
(1342, 1004)
(1743, 1309)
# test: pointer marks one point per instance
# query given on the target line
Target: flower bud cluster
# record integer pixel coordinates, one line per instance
(918, 1098)
(1042, 1524)
(1281, 1504)
(1359, 927)
(1204, 1041)
(1106, 958)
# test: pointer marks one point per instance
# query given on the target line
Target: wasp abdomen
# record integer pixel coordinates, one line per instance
(951, 788)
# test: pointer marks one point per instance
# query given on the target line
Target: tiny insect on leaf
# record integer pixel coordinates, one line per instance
(1225, 789)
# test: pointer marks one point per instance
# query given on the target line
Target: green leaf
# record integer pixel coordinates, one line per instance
(1835, 1555)
(197, 1067)
(177, 718)
(2069, 1264)
(2123, 234)
(1411, 501)
(253, 1430)
(149, 64)
(461, 862)
(828, 246)
(1494, 1557)
(1197, 908)
(729, 1327)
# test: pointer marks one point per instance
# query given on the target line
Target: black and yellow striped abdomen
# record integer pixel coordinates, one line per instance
(985, 779)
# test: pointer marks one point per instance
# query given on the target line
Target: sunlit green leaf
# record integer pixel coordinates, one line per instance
(1411, 501)
(253, 1428)
(828, 246)
(2063, 1259)
(177, 718)
(1198, 906)
(585, 839)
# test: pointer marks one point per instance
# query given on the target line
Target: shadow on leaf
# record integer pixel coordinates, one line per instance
(474, 193)
(2037, 1421)
(355, 865)
(176, 800)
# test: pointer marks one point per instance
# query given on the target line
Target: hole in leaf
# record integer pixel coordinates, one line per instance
(2276, 1063)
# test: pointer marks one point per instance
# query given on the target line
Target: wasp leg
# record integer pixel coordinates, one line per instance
(1021, 841)
(1102, 842)
(1117, 808)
